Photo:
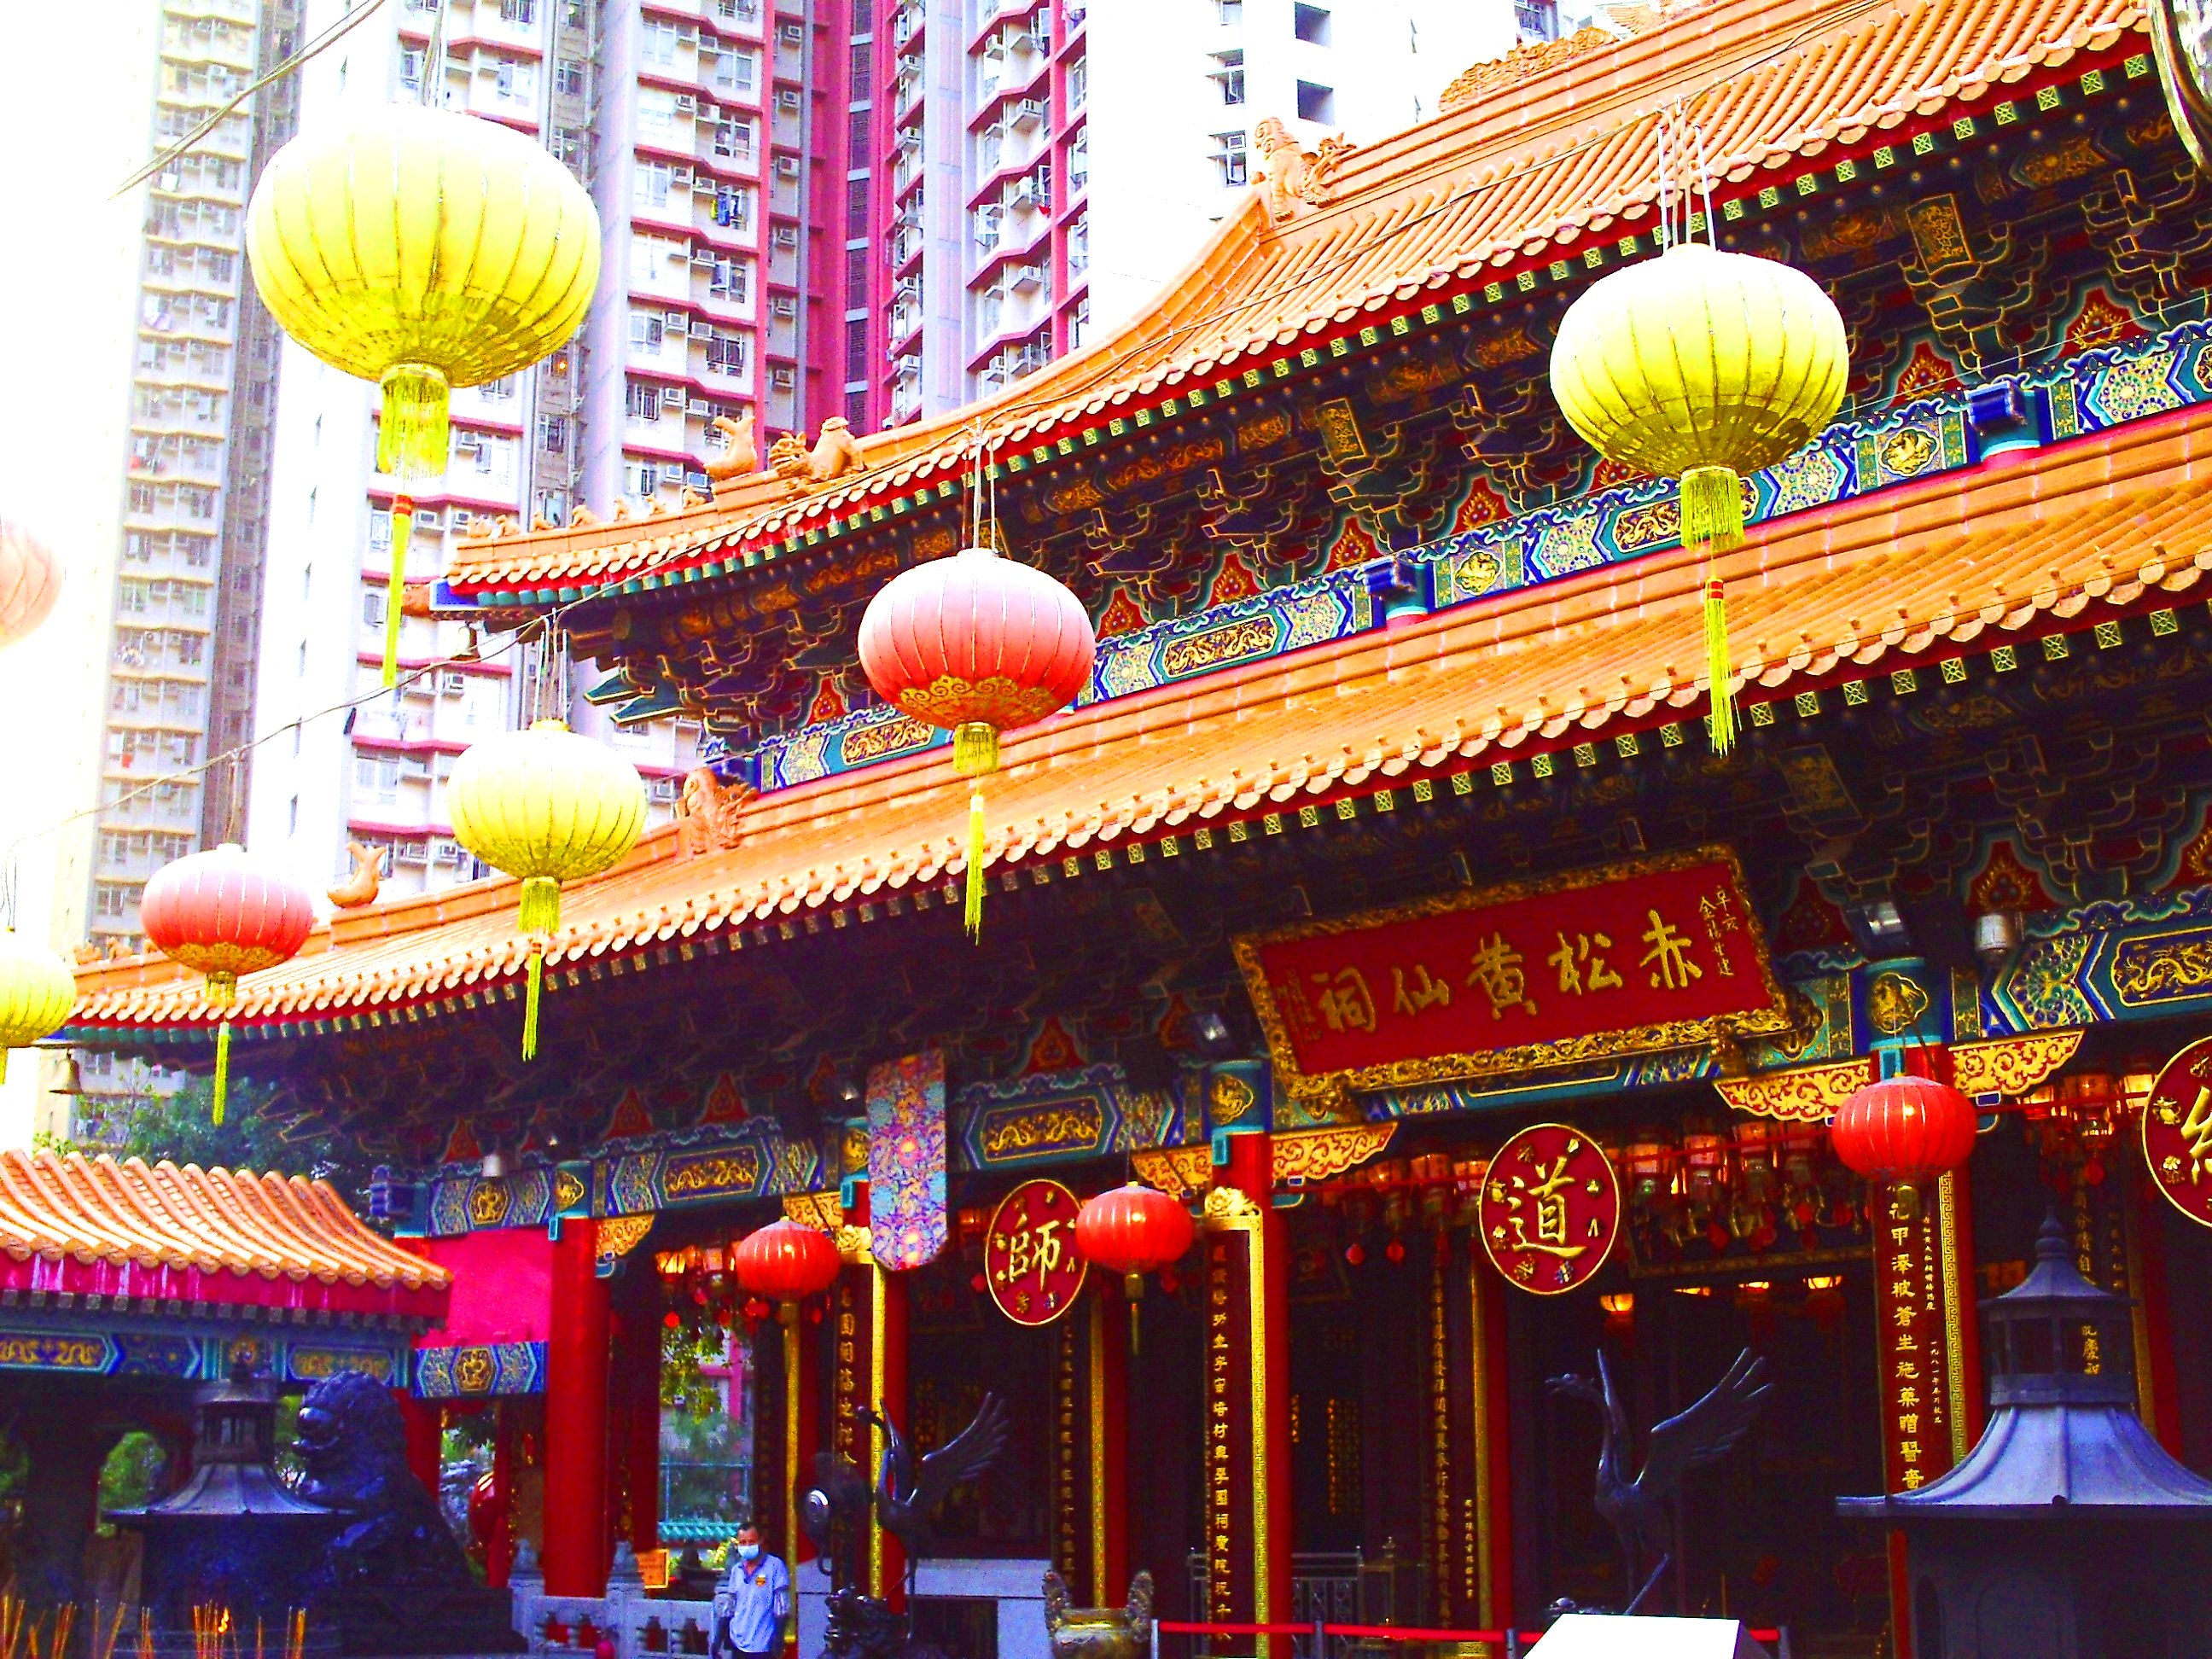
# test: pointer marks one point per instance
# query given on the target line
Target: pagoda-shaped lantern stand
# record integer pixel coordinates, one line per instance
(2068, 1533)
(233, 1544)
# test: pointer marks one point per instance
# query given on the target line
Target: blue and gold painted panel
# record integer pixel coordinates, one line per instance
(86, 1344)
(1059, 1117)
(479, 1371)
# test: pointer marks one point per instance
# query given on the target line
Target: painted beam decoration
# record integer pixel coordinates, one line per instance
(2177, 1132)
(1030, 1261)
(1629, 958)
(1550, 1209)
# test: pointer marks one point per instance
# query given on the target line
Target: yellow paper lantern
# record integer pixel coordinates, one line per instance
(37, 992)
(1702, 366)
(424, 250)
(547, 806)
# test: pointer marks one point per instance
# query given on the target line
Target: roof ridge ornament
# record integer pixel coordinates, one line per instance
(1291, 177)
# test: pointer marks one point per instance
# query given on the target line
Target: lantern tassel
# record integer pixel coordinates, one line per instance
(974, 756)
(534, 982)
(412, 431)
(395, 595)
(222, 1070)
(538, 915)
(1718, 669)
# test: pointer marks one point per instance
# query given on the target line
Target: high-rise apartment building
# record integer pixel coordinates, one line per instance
(876, 209)
(187, 587)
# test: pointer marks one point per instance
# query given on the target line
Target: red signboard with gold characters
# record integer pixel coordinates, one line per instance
(1030, 1261)
(1662, 953)
(2177, 1132)
(1551, 1209)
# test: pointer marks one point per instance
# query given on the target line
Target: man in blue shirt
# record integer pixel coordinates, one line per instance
(751, 1604)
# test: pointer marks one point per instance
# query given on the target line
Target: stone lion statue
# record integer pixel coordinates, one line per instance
(352, 1448)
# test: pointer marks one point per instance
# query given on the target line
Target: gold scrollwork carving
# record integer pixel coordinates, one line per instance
(2011, 1065)
(620, 1234)
(1178, 1171)
(1317, 1154)
(1228, 1209)
(1802, 1094)
(820, 1210)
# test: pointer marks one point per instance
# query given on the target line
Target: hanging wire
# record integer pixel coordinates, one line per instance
(322, 43)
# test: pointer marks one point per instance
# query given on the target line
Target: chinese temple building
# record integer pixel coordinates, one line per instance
(1382, 899)
(123, 1288)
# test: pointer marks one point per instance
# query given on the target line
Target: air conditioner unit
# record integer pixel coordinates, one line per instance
(704, 258)
(785, 236)
(698, 406)
(702, 330)
(1027, 279)
(1028, 113)
(677, 320)
(452, 685)
(671, 397)
(410, 851)
(686, 33)
(909, 216)
(787, 100)
(790, 34)
(447, 851)
(1024, 194)
(786, 167)
(679, 177)
(686, 104)
(428, 519)
(660, 789)
(782, 379)
(782, 305)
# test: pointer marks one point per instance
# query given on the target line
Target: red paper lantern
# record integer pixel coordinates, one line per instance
(785, 1260)
(220, 915)
(978, 645)
(1905, 1129)
(1133, 1230)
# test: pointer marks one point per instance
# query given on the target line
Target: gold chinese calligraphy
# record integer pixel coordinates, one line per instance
(1030, 1263)
(1550, 1209)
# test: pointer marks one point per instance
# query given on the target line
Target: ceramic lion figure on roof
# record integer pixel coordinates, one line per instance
(1291, 173)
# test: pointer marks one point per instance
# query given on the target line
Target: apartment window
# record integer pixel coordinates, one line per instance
(1229, 12)
(856, 351)
(372, 608)
(1228, 157)
(1315, 103)
(856, 207)
(731, 281)
(518, 11)
(725, 355)
(1537, 19)
(1310, 24)
(641, 401)
(569, 77)
(553, 434)
(733, 140)
(659, 43)
(649, 185)
(647, 330)
(1228, 74)
(862, 72)
(1079, 83)
(737, 71)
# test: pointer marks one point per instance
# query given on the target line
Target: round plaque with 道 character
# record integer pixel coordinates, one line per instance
(1551, 1209)
(1030, 1264)
(2177, 1132)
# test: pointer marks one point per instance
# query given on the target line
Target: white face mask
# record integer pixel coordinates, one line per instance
(749, 1552)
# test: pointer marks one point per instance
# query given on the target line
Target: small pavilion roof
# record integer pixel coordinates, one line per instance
(1549, 156)
(2033, 543)
(161, 1237)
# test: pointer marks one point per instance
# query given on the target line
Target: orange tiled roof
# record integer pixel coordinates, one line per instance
(167, 1237)
(1919, 569)
(1545, 164)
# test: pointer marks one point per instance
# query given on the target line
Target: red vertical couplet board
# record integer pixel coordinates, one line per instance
(1915, 1341)
(1228, 1463)
(1661, 953)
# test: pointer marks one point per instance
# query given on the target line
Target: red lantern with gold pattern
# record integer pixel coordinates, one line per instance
(221, 915)
(1133, 1230)
(1905, 1129)
(978, 645)
(785, 1261)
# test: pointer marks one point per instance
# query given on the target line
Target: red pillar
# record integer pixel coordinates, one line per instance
(576, 1519)
(1108, 1419)
(635, 1405)
(498, 1539)
(426, 1433)
(1251, 1171)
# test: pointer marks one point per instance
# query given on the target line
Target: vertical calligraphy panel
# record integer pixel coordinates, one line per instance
(1066, 1473)
(1227, 1464)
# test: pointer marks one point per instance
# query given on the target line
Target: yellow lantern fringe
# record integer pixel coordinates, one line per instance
(395, 596)
(975, 754)
(221, 992)
(539, 914)
(412, 433)
(1712, 519)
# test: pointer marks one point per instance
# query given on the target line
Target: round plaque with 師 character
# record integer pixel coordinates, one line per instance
(1030, 1265)
(2177, 1132)
(1551, 1209)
